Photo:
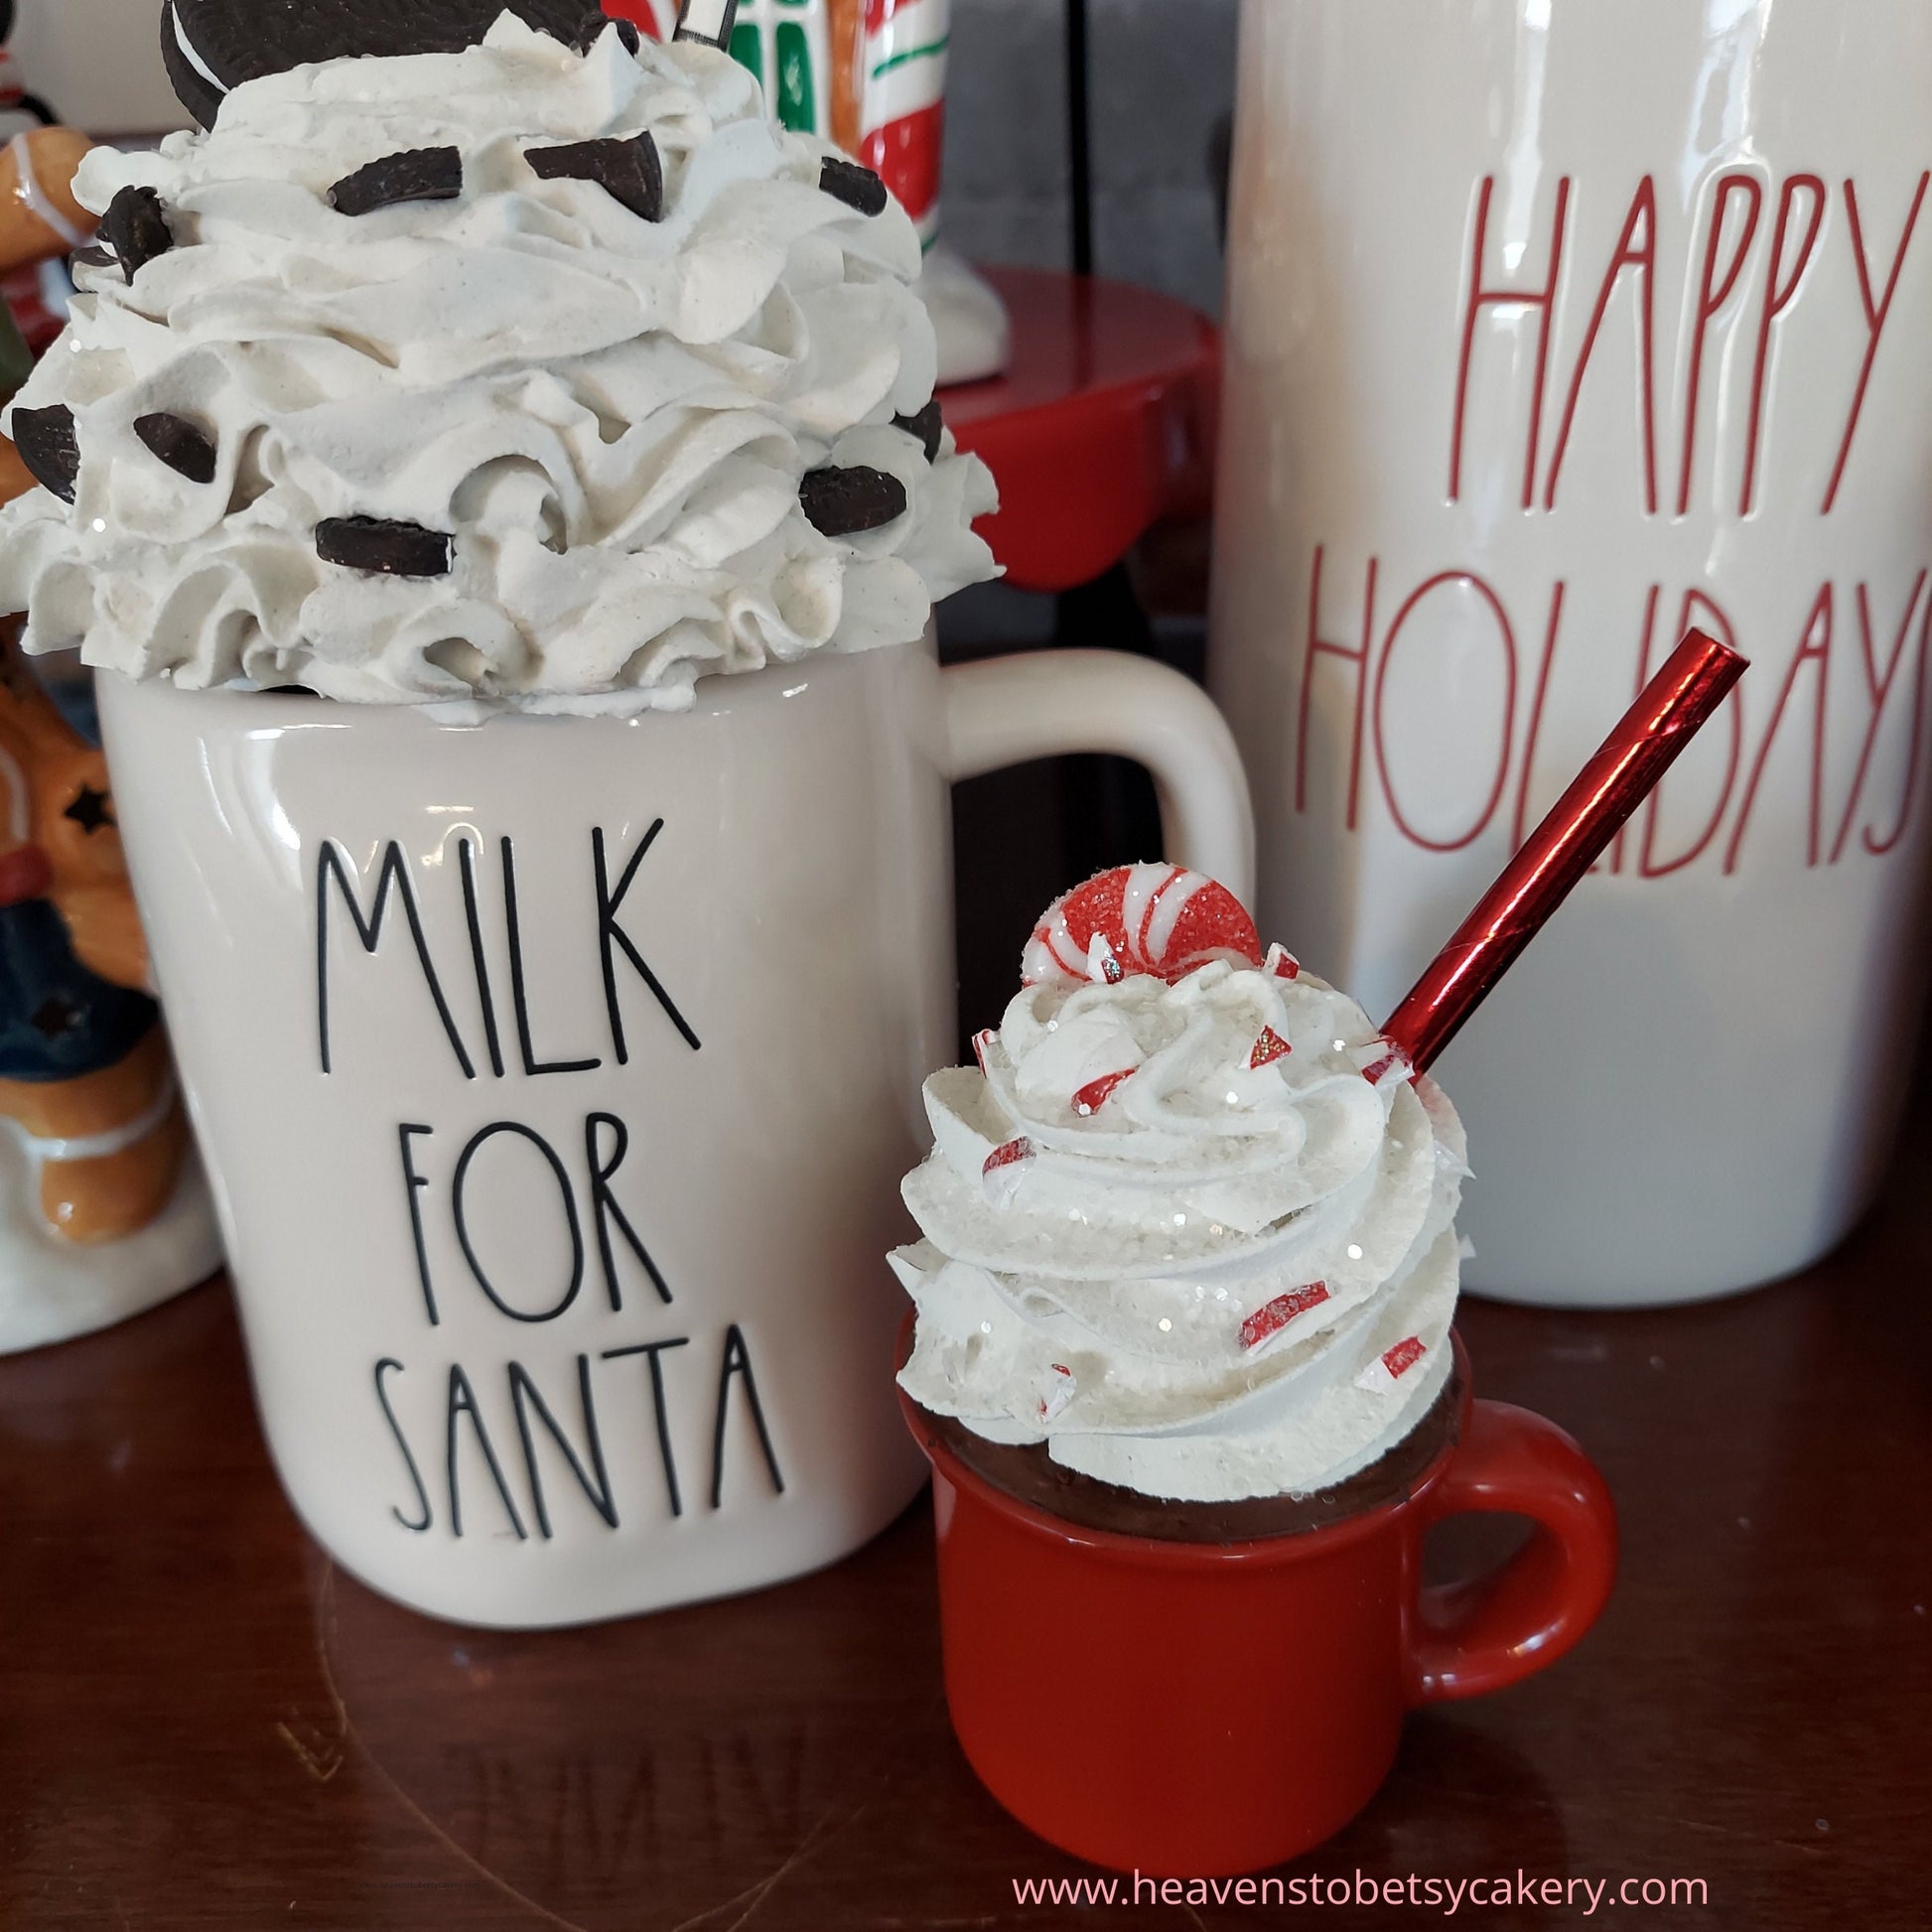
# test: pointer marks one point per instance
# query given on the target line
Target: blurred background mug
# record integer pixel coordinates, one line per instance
(1551, 331)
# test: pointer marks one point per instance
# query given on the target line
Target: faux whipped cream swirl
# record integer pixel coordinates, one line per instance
(611, 416)
(1229, 1274)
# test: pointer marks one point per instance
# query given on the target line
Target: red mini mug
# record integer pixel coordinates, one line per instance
(1207, 1709)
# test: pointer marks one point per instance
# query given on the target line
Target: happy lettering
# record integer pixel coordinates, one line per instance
(1728, 265)
(1685, 411)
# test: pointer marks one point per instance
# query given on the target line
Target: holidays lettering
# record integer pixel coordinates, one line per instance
(1363, 673)
(1424, 695)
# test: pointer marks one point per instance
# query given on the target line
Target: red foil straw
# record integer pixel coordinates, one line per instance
(1674, 706)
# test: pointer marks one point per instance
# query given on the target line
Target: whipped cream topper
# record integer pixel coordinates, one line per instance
(1189, 1222)
(518, 374)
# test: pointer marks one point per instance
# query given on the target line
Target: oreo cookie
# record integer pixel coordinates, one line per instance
(212, 46)
(926, 424)
(842, 502)
(856, 186)
(630, 172)
(415, 175)
(135, 228)
(179, 443)
(380, 548)
(49, 448)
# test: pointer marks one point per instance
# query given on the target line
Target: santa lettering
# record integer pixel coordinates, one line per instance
(533, 1224)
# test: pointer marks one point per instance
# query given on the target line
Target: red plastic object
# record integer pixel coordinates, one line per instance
(1200, 1710)
(1103, 425)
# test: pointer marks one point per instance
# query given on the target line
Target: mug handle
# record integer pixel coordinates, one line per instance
(1494, 1630)
(1039, 703)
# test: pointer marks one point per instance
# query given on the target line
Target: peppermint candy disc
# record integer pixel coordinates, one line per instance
(1152, 919)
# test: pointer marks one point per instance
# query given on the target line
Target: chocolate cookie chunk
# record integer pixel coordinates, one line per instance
(212, 46)
(926, 423)
(628, 172)
(48, 446)
(178, 444)
(416, 174)
(382, 548)
(856, 186)
(841, 502)
(135, 228)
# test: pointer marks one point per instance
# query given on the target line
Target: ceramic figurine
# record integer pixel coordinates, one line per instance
(103, 1210)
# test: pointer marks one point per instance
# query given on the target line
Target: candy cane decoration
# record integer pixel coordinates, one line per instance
(901, 100)
(1158, 919)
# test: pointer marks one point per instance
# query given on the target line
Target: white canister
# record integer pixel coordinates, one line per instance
(1552, 329)
(555, 1076)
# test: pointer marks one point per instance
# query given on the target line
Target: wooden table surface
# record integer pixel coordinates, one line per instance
(203, 1722)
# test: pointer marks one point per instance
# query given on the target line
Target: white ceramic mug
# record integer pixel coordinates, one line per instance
(555, 1077)
(1552, 329)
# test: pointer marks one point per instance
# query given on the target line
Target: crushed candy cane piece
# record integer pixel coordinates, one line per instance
(1003, 1170)
(1391, 1064)
(981, 1042)
(1060, 1392)
(1387, 1369)
(1270, 1047)
(1282, 963)
(1103, 966)
(1087, 1101)
(1272, 1316)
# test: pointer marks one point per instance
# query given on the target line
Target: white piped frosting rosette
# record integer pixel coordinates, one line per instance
(607, 415)
(1184, 1223)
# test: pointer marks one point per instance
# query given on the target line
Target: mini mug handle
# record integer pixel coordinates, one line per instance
(1494, 1630)
(1041, 704)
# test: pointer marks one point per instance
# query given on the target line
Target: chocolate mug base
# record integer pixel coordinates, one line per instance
(1025, 1473)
